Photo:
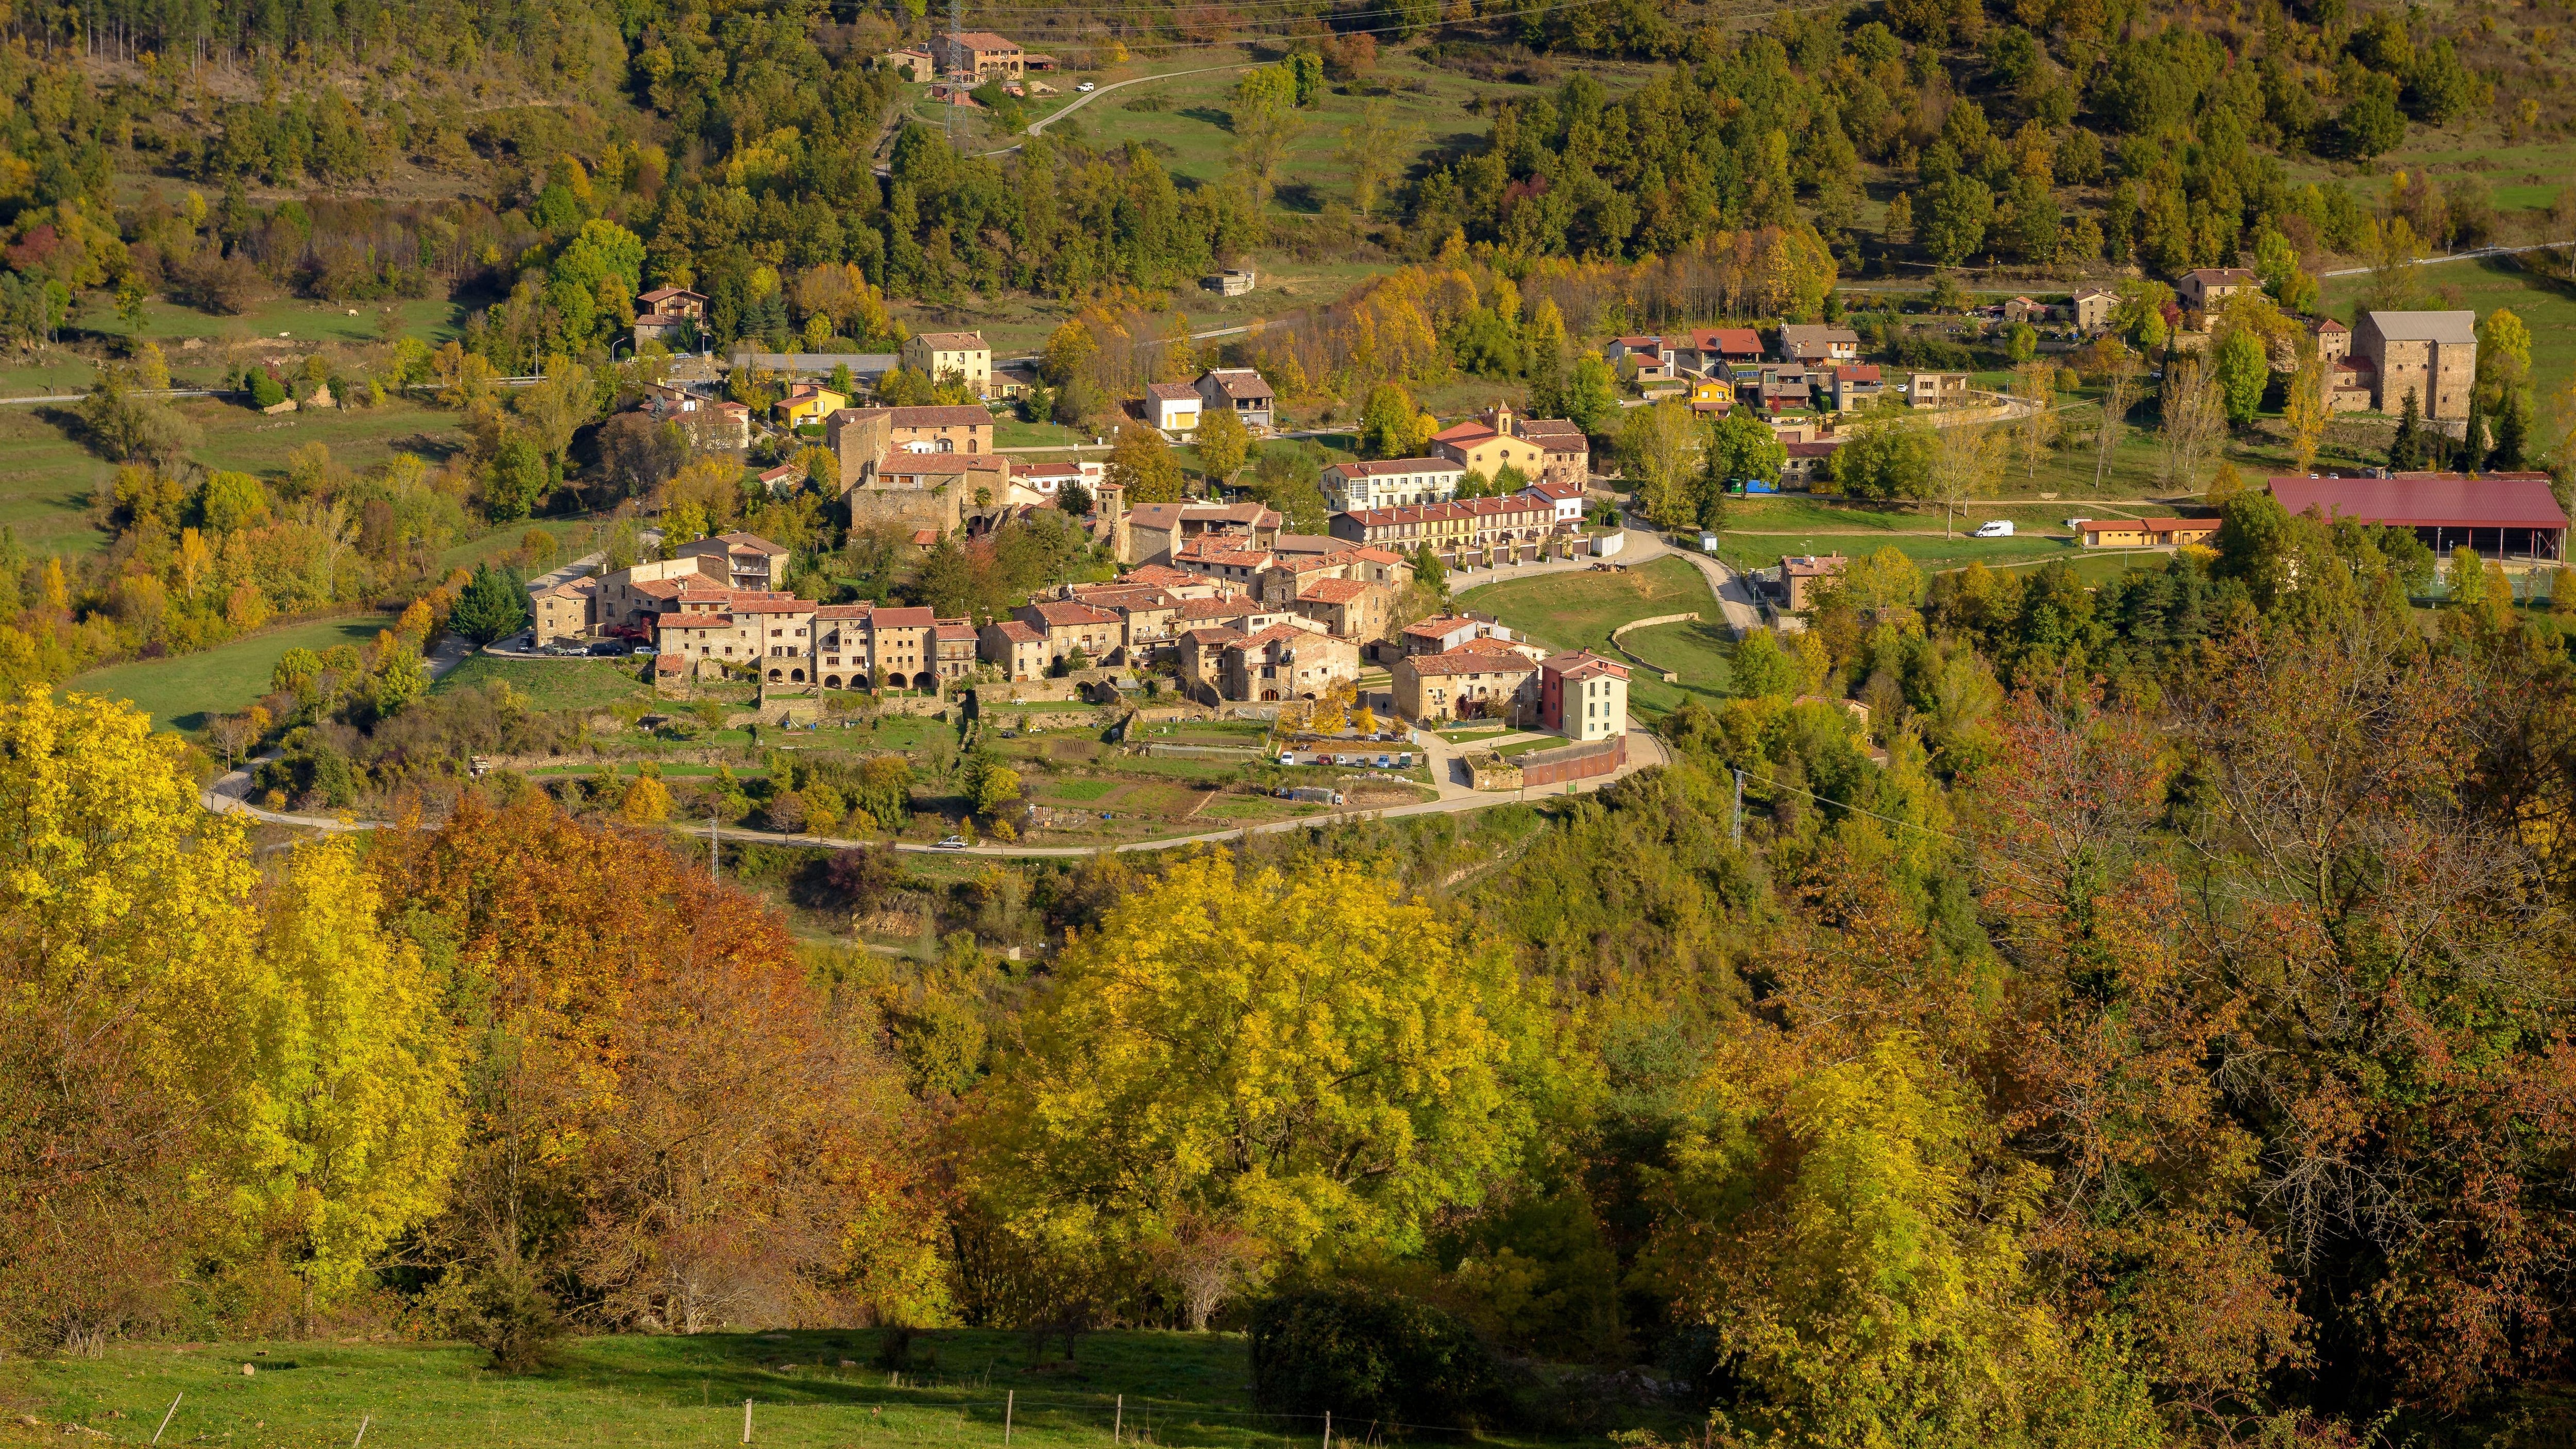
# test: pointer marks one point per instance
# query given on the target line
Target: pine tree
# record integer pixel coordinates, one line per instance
(2474, 437)
(2405, 450)
(2512, 434)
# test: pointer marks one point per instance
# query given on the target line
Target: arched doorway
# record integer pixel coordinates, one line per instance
(1270, 696)
(831, 681)
(796, 676)
(858, 681)
(775, 676)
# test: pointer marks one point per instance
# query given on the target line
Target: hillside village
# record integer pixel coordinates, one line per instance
(1237, 609)
(1206, 725)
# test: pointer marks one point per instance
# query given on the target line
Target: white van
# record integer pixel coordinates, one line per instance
(1995, 528)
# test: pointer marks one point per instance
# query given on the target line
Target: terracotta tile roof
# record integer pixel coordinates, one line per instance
(1124, 596)
(1157, 574)
(933, 415)
(667, 622)
(1376, 555)
(1453, 511)
(1560, 491)
(1238, 382)
(1017, 632)
(1067, 615)
(772, 606)
(905, 618)
(1459, 434)
(1214, 609)
(1438, 625)
(1556, 435)
(951, 341)
(1212, 635)
(1171, 392)
(843, 612)
(1276, 634)
(1333, 591)
(1583, 664)
(1469, 661)
(1387, 466)
(956, 632)
(1730, 340)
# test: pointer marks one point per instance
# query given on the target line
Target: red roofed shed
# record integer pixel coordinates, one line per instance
(2501, 515)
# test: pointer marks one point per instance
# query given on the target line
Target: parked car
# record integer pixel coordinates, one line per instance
(1995, 528)
(1085, 87)
(606, 647)
(1287, 759)
(953, 842)
(1386, 762)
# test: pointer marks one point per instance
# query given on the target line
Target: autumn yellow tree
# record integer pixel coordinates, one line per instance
(2305, 409)
(1141, 463)
(647, 802)
(1308, 1058)
(1868, 1282)
(354, 1124)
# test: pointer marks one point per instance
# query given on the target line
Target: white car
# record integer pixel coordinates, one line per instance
(1995, 528)
(954, 842)
(1086, 87)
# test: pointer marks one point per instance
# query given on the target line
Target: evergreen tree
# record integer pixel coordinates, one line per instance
(2406, 449)
(2512, 434)
(493, 606)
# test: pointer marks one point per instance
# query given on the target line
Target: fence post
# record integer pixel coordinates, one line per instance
(1328, 1429)
(165, 1419)
(1010, 1397)
(1118, 1419)
(746, 1421)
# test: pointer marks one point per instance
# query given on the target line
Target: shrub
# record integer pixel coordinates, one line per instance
(1367, 1355)
(503, 1312)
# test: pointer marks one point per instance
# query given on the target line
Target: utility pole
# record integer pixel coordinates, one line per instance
(1739, 807)
(956, 48)
(715, 849)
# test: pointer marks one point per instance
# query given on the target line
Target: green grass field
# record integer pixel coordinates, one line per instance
(283, 319)
(239, 438)
(46, 482)
(184, 691)
(1929, 551)
(48, 476)
(1188, 1391)
(553, 684)
(1578, 611)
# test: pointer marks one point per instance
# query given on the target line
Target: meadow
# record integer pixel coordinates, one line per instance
(185, 691)
(1578, 611)
(945, 1388)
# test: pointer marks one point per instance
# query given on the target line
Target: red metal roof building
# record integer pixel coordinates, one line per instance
(2503, 516)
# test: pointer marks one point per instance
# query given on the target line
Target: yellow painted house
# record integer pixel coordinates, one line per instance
(810, 402)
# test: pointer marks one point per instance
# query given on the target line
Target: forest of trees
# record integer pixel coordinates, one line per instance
(2148, 1028)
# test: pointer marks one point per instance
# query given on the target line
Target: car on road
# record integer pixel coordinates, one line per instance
(1085, 87)
(607, 647)
(1995, 528)
(953, 842)
(1386, 762)
(1287, 759)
